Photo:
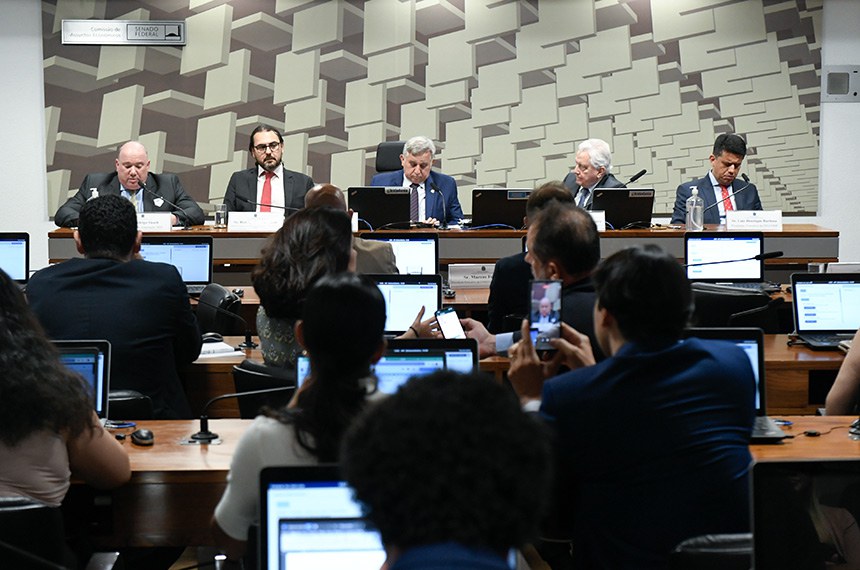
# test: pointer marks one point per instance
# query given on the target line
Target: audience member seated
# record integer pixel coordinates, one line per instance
(653, 441)
(268, 184)
(593, 163)
(563, 244)
(509, 288)
(49, 431)
(132, 180)
(843, 395)
(451, 471)
(310, 429)
(141, 307)
(437, 199)
(371, 256)
(719, 185)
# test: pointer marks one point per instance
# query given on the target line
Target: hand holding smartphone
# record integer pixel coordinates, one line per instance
(449, 323)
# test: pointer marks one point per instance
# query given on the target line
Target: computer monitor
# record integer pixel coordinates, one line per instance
(15, 255)
(415, 253)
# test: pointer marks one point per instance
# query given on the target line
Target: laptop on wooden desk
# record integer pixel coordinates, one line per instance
(826, 308)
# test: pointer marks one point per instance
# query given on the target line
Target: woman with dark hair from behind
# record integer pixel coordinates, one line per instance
(342, 327)
(48, 427)
(312, 243)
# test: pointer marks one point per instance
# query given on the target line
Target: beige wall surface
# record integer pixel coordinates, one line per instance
(507, 88)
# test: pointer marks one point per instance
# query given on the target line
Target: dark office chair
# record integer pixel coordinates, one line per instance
(715, 308)
(765, 318)
(251, 375)
(32, 535)
(388, 156)
(129, 405)
(713, 552)
(214, 308)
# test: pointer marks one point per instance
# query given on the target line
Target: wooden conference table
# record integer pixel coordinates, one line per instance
(174, 487)
(236, 253)
(797, 378)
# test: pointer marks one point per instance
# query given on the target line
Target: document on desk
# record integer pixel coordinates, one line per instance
(216, 349)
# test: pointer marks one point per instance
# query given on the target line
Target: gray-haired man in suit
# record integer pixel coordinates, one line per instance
(268, 186)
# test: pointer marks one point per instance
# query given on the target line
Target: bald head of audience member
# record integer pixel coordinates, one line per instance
(325, 195)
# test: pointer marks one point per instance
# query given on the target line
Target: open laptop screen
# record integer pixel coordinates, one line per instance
(416, 253)
(191, 255)
(90, 359)
(15, 255)
(708, 248)
(405, 295)
(826, 302)
(309, 520)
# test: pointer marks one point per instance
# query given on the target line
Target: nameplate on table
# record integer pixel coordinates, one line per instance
(599, 217)
(255, 221)
(470, 275)
(154, 221)
(754, 220)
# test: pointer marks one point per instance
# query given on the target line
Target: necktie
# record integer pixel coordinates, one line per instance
(583, 197)
(727, 203)
(267, 193)
(413, 203)
(132, 197)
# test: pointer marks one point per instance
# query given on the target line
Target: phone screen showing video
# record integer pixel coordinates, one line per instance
(544, 312)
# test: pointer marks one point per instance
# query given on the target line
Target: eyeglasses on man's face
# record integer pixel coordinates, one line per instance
(272, 146)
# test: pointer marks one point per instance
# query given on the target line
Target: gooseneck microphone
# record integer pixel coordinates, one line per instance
(185, 221)
(207, 436)
(443, 223)
(741, 189)
(256, 204)
(637, 176)
(759, 257)
(249, 341)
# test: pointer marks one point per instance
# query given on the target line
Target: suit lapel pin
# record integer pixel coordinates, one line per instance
(159, 202)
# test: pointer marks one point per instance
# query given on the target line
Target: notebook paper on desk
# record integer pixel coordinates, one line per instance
(826, 308)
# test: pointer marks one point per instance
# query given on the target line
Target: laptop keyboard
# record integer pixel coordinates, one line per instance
(833, 339)
(765, 426)
(754, 287)
(195, 290)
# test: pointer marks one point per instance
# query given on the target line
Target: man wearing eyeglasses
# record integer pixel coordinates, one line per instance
(132, 180)
(268, 186)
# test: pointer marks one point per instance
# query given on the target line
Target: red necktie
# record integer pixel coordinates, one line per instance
(727, 202)
(267, 193)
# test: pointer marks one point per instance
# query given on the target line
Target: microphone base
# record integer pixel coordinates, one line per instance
(204, 436)
(190, 441)
(247, 344)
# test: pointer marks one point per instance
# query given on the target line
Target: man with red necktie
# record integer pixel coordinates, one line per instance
(719, 189)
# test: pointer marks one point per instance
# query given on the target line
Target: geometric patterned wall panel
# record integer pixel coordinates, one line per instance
(508, 88)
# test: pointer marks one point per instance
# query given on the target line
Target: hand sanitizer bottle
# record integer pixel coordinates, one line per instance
(695, 212)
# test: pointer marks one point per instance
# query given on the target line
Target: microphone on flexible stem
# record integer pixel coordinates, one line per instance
(742, 188)
(443, 223)
(759, 257)
(184, 221)
(256, 204)
(207, 436)
(248, 342)
(637, 176)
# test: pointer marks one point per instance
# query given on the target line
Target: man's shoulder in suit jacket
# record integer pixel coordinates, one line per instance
(372, 256)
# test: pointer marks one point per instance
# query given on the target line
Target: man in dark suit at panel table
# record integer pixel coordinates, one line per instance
(268, 186)
(434, 194)
(593, 163)
(133, 181)
(141, 307)
(718, 188)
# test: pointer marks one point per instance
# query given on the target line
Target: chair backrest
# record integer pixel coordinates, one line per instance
(130, 405)
(713, 552)
(218, 319)
(34, 528)
(388, 156)
(715, 308)
(251, 375)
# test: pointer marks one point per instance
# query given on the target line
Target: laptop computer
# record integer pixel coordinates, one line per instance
(791, 499)
(826, 308)
(90, 359)
(415, 253)
(380, 206)
(15, 256)
(405, 358)
(404, 297)
(625, 208)
(706, 254)
(751, 341)
(190, 255)
(499, 206)
(309, 519)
